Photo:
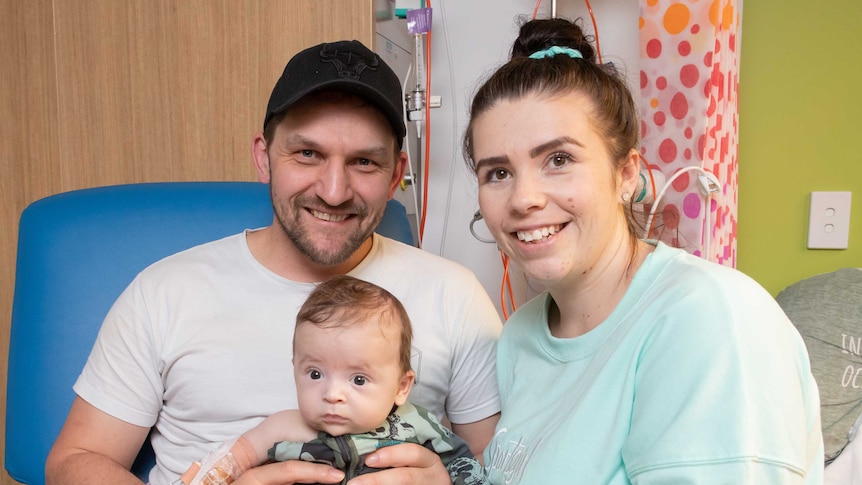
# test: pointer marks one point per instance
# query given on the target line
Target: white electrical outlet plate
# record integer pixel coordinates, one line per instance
(829, 220)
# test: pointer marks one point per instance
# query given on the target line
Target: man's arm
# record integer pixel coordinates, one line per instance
(477, 434)
(94, 448)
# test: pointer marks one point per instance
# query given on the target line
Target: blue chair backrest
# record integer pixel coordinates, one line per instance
(77, 251)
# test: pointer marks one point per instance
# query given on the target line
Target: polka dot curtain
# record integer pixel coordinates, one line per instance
(689, 82)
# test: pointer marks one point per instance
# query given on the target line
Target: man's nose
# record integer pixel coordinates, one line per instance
(334, 185)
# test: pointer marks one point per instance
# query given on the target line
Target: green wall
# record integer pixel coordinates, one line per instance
(800, 103)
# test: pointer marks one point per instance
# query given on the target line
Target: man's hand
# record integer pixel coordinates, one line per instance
(406, 463)
(290, 473)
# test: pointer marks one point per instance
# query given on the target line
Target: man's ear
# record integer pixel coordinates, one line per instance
(398, 173)
(404, 387)
(261, 158)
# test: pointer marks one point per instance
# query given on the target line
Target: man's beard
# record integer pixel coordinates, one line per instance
(310, 247)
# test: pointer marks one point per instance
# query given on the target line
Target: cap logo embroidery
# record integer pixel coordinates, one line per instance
(348, 64)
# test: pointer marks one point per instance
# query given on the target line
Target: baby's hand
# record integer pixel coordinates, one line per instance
(223, 465)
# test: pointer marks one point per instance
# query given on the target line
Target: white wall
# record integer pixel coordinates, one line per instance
(470, 38)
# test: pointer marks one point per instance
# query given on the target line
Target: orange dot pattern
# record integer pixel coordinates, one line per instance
(689, 81)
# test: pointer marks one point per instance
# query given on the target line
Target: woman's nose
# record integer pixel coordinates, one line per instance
(527, 194)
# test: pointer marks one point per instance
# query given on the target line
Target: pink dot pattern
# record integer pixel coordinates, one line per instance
(689, 82)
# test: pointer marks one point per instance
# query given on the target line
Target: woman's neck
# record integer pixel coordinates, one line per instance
(583, 302)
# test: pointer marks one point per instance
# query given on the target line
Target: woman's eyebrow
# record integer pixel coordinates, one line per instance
(537, 150)
(497, 160)
(551, 144)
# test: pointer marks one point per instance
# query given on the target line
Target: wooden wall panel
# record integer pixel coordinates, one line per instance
(28, 141)
(100, 92)
(172, 90)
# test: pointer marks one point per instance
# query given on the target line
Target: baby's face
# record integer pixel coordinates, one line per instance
(348, 378)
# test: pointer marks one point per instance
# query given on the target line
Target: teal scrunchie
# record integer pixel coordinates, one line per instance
(554, 50)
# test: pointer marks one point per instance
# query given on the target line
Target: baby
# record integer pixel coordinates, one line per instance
(351, 361)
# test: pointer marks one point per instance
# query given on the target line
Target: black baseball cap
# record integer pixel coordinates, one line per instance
(345, 66)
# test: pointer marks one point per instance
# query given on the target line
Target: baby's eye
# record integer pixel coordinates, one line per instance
(359, 380)
(315, 374)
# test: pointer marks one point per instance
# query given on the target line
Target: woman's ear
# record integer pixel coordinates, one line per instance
(630, 173)
(404, 387)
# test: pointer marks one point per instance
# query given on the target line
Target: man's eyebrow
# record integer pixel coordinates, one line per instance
(298, 139)
(371, 151)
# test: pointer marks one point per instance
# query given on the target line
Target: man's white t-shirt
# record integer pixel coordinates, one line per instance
(200, 344)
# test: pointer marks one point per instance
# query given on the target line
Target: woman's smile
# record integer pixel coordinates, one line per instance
(539, 234)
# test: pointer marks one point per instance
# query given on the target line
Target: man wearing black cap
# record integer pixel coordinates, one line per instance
(197, 349)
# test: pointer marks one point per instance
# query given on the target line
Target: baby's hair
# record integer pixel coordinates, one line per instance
(344, 300)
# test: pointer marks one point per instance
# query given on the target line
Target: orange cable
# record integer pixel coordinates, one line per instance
(509, 285)
(503, 305)
(427, 134)
(536, 10)
(595, 30)
(506, 284)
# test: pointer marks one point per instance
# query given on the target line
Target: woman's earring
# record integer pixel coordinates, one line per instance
(627, 196)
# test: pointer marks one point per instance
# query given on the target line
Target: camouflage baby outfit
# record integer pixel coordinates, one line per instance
(406, 424)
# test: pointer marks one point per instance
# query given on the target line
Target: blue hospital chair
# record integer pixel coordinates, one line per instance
(77, 251)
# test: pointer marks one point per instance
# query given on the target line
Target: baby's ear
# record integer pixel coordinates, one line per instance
(404, 387)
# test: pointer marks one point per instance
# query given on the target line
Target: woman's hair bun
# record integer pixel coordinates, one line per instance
(536, 35)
